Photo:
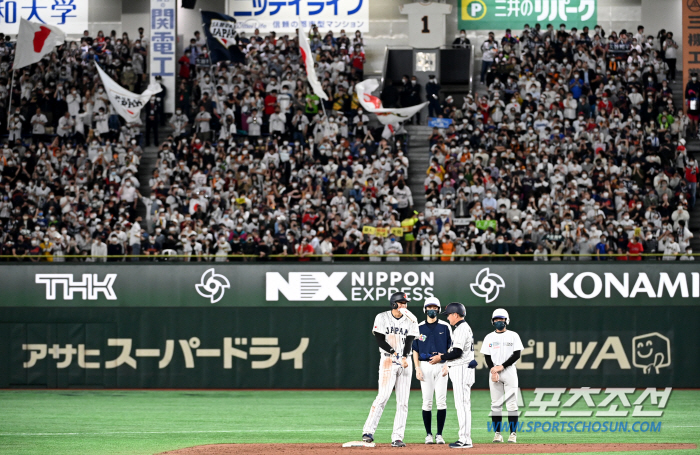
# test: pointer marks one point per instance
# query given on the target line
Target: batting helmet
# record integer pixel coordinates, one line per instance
(432, 301)
(455, 307)
(500, 313)
(396, 298)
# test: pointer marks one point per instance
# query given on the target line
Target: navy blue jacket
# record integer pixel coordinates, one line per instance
(434, 338)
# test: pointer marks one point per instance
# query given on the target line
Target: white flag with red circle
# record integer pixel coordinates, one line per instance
(308, 58)
(35, 40)
(387, 116)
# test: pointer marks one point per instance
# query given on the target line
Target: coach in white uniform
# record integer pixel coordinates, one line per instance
(461, 364)
(501, 350)
(395, 331)
(435, 338)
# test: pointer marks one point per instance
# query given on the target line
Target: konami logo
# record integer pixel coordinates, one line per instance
(589, 285)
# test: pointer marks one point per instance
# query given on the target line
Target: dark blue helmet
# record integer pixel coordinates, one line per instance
(396, 298)
(455, 307)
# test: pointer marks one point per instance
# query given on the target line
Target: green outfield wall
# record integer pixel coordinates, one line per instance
(309, 325)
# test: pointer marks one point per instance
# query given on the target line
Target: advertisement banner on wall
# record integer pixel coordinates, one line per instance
(691, 44)
(286, 17)
(497, 15)
(324, 347)
(349, 285)
(163, 44)
(70, 16)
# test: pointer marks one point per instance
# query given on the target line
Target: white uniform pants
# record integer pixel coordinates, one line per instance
(390, 376)
(462, 379)
(504, 390)
(433, 383)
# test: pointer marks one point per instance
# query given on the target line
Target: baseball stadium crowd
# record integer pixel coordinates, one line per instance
(572, 146)
(68, 168)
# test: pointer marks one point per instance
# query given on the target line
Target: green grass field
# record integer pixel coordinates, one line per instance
(144, 422)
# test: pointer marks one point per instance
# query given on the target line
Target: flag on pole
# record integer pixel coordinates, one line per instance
(221, 34)
(125, 103)
(308, 59)
(35, 40)
(387, 116)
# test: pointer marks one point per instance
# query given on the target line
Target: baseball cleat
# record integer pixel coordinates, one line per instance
(512, 436)
(497, 437)
(367, 437)
(439, 439)
(398, 443)
(429, 439)
(460, 445)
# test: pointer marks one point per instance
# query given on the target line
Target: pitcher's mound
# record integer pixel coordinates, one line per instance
(478, 449)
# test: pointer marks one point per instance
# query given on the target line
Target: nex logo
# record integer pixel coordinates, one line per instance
(89, 288)
(304, 286)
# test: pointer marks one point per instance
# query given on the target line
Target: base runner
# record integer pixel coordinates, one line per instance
(395, 331)
(501, 350)
(461, 364)
(435, 338)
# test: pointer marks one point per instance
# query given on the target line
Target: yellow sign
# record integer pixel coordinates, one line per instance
(371, 230)
(473, 10)
(240, 201)
(397, 231)
(383, 232)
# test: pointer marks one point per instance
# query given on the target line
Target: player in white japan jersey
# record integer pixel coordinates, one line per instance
(461, 364)
(395, 333)
(501, 350)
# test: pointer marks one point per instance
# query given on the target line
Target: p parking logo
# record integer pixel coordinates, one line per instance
(473, 10)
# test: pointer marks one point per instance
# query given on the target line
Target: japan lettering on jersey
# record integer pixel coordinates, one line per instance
(395, 330)
(462, 338)
(500, 346)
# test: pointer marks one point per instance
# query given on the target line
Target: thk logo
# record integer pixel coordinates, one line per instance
(212, 285)
(304, 286)
(88, 288)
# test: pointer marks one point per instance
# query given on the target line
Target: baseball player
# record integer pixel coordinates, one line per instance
(501, 350)
(435, 338)
(461, 364)
(395, 331)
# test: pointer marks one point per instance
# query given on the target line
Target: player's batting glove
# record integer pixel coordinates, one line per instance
(396, 358)
(472, 364)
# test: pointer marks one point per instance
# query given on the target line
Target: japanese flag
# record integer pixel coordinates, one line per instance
(125, 103)
(308, 58)
(34, 41)
(387, 116)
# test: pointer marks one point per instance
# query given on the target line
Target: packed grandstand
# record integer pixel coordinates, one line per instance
(569, 147)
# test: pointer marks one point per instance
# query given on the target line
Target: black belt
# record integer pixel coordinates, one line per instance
(389, 355)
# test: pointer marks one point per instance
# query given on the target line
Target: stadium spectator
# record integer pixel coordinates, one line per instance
(571, 146)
